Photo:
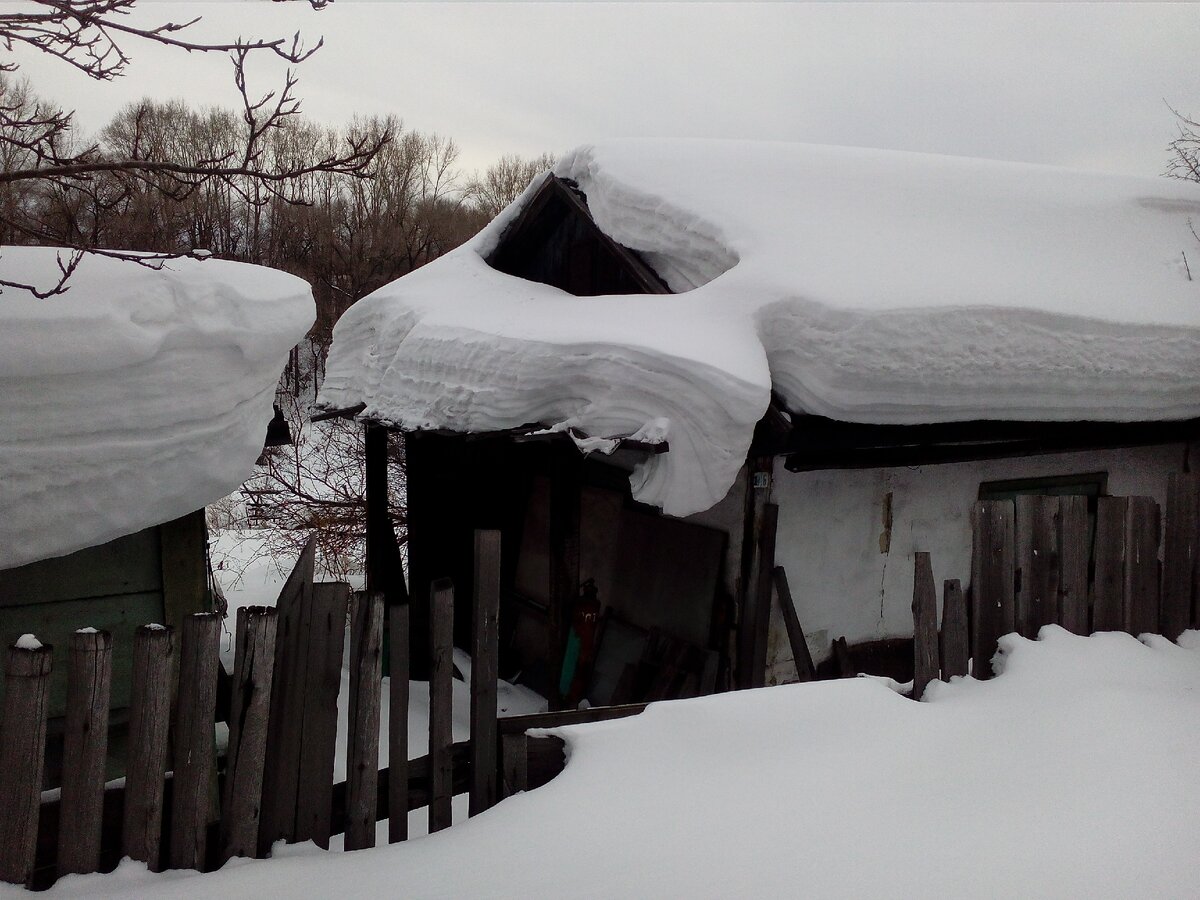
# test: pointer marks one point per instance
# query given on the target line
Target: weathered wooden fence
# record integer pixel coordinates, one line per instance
(183, 805)
(1044, 560)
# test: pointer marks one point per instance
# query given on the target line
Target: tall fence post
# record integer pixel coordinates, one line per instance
(441, 699)
(362, 759)
(925, 636)
(1073, 549)
(991, 580)
(484, 671)
(85, 746)
(1037, 562)
(249, 713)
(956, 651)
(194, 747)
(398, 665)
(149, 726)
(1142, 530)
(22, 749)
(1180, 549)
(1108, 588)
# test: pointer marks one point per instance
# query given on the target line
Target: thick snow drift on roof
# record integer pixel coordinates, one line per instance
(868, 286)
(135, 397)
(1072, 774)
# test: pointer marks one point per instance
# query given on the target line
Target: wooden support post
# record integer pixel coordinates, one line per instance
(1180, 549)
(250, 707)
(565, 492)
(514, 753)
(763, 585)
(22, 752)
(1108, 597)
(362, 756)
(956, 649)
(758, 494)
(1142, 530)
(149, 725)
(281, 774)
(1073, 549)
(484, 670)
(1036, 535)
(925, 636)
(194, 740)
(805, 670)
(398, 632)
(992, 560)
(441, 699)
(85, 746)
(323, 648)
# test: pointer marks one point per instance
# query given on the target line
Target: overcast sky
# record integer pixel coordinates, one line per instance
(1080, 85)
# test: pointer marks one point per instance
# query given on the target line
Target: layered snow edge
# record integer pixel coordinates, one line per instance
(137, 396)
(866, 286)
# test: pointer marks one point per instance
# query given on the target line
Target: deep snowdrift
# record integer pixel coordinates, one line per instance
(135, 397)
(1072, 774)
(868, 286)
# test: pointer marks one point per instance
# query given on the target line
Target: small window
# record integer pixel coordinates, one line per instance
(1092, 486)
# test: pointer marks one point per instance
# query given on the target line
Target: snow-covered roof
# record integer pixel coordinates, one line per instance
(863, 285)
(135, 397)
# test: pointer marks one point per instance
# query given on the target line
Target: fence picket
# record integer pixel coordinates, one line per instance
(1141, 565)
(1073, 549)
(362, 759)
(441, 674)
(85, 745)
(22, 745)
(149, 725)
(398, 660)
(992, 561)
(253, 670)
(956, 651)
(925, 637)
(1179, 554)
(1108, 588)
(484, 666)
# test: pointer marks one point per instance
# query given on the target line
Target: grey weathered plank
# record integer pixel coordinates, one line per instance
(764, 586)
(1108, 587)
(1037, 561)
(805, 670)
(956, 647)
(1179, 554)
(195, 750)
(565, 501)
(758, 494)
(1073, 552)
(366, 685)
(441, 675)
(249, 714)
(1142, 529)
(514, 757)
(925, 635)
(485, 649)
(992, 562)
(22, 749)
(149, 726)
(281, 771)
(323, 644)
(85, 745)
(399, 661)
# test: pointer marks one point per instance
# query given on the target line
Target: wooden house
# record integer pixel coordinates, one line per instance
(684, 607)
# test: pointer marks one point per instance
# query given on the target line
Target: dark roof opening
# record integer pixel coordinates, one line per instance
(554, 241)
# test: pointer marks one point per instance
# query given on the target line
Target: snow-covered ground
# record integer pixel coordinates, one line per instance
(1075, 773)
(864, 285)
(137, 396)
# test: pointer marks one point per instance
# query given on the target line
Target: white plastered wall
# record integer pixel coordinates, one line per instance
(848, 579)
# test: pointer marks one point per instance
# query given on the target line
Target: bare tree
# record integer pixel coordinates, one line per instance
(37, 146)
(504, 181)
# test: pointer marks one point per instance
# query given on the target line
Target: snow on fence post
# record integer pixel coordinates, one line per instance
(249, 713)
(956, 651)
(1142, 529)
(149, 725)
(1108, 590)
(1179, 554)
(441, 674)
(1073, 551)
(22, 748)
(362, 757)
(992, 561)
(322, 642)
(485, 639)
(194, 740)
(85, 745)
(925, 637)
(398, 662)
